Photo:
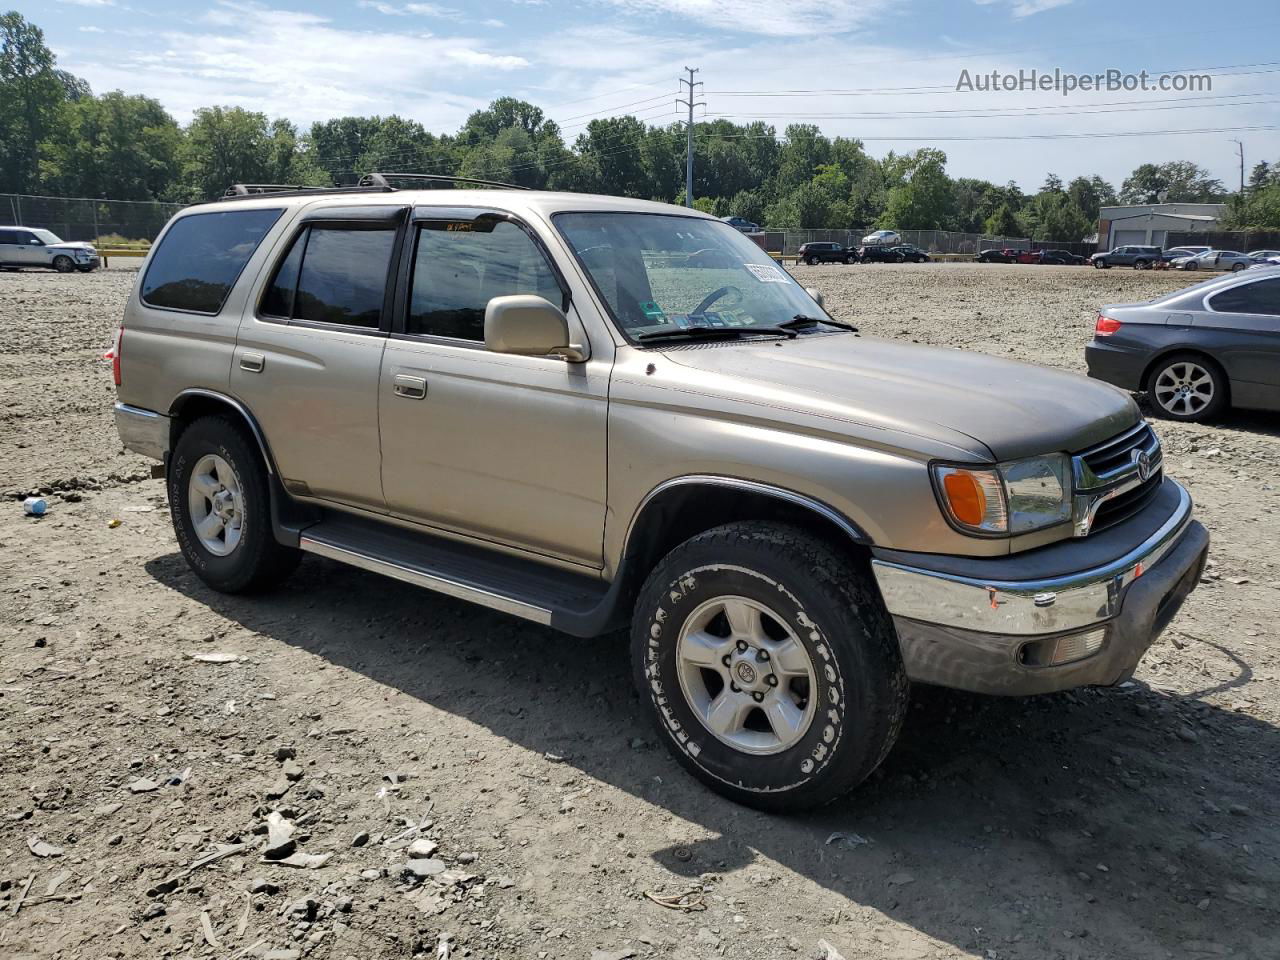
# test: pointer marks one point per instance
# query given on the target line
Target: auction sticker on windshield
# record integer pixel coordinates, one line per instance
(767, 273)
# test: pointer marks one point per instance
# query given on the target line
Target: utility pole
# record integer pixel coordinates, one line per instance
(688, 158)
(1240, 148)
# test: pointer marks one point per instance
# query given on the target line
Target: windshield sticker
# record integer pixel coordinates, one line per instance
(652, 312)
(767, 272)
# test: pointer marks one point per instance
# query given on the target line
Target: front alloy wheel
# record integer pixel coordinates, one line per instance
(770, 664)
(63, 264)
(746, 675)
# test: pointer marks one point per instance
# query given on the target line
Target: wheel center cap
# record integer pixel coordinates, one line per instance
(223, 504)
(745, 673)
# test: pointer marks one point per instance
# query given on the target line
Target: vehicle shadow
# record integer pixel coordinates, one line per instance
(1139, 820)
(1253, 422)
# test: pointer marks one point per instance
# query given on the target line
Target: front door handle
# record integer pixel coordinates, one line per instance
(411, 388)
(253, 362)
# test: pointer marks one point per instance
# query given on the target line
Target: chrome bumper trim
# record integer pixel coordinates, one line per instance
(142, 431)
(1026, 607)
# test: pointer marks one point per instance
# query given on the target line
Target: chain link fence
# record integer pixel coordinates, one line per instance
(82, 218)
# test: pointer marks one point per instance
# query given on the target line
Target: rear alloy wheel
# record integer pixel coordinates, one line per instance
(221, 506)
(63, 264)
(1236, 268)
(770, 664)
(1188, 388)
(1141, 265)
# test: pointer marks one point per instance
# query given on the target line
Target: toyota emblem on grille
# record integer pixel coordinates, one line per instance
(1143, 461)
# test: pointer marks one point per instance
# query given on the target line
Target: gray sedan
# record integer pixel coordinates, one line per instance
(1215, 260)
(1197, 351)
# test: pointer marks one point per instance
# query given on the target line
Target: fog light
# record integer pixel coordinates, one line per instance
(1059, 650)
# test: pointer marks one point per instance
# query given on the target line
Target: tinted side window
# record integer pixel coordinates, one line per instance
(1260, 297)
(344, 276)
(278, 301)
(7, 236)
(457, 272)
(200, 258)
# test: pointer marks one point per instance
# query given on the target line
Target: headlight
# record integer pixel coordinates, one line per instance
(1007, 499)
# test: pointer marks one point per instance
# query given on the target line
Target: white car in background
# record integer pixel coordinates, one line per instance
(1214, 260)
(33, 247)
(882, 238)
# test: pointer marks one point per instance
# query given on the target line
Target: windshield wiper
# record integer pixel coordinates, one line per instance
(714, 333)
(801, 320)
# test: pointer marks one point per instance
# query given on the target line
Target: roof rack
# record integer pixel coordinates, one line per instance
(249, 191)
(383, 180)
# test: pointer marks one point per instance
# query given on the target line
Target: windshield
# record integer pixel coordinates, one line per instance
(47, 236)
(663, 272)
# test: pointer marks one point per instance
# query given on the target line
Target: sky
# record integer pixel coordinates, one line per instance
(885, 71)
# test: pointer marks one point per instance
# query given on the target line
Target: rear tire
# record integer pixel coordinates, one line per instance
(1141, 265)
(838, 692)
(221, 507)
(1188, 387)
(63, 264)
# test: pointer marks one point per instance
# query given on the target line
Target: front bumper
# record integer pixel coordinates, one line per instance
(959, 629)
(143, 431)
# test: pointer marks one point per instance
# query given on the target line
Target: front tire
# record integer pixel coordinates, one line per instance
(771, 665)
(63, 264)
(221, 509)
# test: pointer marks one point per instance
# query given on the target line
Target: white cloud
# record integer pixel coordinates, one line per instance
(420, 9)
(1026, 8)
(302, 66)
(91, 30)
(90, 3)
(796, 18)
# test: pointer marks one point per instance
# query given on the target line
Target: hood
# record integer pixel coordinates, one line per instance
(1012, 409)
(72, 245)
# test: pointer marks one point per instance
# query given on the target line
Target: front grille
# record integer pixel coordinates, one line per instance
(1109, 486)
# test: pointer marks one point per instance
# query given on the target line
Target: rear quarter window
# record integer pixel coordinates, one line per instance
(201, 257)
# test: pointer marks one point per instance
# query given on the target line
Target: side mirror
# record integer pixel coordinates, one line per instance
(817, 296)
(528, 326)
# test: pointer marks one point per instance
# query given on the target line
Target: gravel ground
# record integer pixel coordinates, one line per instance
(146, 722)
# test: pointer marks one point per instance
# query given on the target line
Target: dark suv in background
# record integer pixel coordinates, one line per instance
(1140, 258)
(825, 252)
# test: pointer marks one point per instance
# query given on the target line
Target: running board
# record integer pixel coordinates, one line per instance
(574, 603)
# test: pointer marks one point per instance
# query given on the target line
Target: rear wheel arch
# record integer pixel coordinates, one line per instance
(190, 405)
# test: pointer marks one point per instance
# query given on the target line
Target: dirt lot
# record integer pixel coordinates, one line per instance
(1136, 822)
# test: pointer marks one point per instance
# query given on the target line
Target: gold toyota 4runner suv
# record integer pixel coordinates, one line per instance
(592, 412)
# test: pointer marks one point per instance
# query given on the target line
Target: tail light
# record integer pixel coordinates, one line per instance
(1105, 326)
(114, 355)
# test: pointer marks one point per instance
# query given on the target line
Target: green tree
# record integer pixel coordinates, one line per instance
(32, 93)
(225, 145)
(1175, 182)
(1003, 223)
(116, 145)
(1091, 194)
(924, 199)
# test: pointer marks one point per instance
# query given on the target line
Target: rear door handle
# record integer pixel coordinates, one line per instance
(411, 388)
(253, 362)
